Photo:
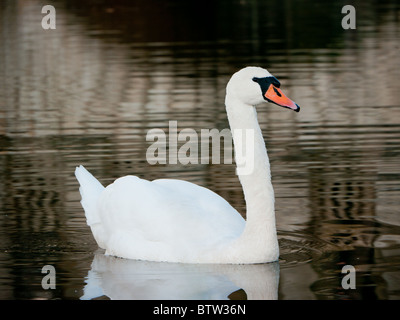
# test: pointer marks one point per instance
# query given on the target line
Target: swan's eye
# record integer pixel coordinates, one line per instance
(267, 81)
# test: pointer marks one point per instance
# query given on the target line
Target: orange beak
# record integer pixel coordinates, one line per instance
(276, 96)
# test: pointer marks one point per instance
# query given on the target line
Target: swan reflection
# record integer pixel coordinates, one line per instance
(125, 279)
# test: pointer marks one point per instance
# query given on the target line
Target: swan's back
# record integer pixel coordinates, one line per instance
(164, 220)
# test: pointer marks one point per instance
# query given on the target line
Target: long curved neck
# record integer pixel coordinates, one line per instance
(255, 176)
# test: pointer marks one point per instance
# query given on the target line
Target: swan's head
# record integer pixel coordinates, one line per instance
(254, 85)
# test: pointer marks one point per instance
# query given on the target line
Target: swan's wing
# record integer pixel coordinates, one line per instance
(204, 207)
(166, 215)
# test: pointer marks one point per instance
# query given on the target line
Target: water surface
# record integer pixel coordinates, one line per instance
(89, 91)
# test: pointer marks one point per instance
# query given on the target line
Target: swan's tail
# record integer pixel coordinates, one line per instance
(90, 190)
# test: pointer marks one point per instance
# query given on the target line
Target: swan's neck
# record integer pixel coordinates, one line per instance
(260, 230)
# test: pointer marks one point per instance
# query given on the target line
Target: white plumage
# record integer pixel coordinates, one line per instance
(178, 221)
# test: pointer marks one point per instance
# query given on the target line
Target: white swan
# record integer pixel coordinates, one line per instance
(177, 221)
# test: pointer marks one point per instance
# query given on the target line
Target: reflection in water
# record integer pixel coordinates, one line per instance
(88, 92)
(131, 279)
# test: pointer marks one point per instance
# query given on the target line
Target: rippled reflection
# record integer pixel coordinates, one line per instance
(89, 91)
(117, 278)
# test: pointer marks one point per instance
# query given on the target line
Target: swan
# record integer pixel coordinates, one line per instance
(170, 220)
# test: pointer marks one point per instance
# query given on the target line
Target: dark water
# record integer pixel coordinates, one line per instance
(88, 92)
